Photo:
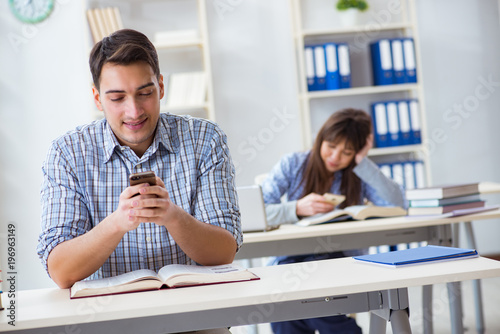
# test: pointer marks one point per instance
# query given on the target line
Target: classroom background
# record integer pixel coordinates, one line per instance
(46, 91)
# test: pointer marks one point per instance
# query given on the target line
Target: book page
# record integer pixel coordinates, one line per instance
(184, 275)
(113, 284)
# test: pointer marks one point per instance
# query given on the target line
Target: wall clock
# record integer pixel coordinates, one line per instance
(31, 11)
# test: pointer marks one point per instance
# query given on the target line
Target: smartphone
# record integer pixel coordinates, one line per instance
(143, 177)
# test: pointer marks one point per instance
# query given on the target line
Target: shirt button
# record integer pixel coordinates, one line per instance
(139, 166)
(148, 239)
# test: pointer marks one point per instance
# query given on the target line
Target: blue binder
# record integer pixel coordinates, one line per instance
(381, 62)
(344, 65)
(398, 173)
(393, 123)
(332, 69)
(309, 68)
(410, 64)
(409, 175)
(380, 127)
(416, 135)
(418, 168)
(320, 67)
(404, 123)
(398, 61)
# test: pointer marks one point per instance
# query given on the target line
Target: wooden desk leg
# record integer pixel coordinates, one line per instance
(427, 309)
(476, 284)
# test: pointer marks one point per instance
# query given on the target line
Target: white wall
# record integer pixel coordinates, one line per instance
(45, 91)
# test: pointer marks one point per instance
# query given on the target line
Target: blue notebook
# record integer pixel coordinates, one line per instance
(418, 255)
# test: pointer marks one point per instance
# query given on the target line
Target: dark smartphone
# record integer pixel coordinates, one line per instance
(143, 177)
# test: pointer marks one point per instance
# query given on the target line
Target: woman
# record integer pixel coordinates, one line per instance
(338, 164)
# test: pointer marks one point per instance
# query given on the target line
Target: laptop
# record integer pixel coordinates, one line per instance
(252, 209)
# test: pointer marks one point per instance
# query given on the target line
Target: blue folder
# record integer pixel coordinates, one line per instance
(332, 68)
(381, 62)
(418, 255)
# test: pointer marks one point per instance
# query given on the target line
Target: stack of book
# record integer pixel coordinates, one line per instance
(103, 22)
(457, 198)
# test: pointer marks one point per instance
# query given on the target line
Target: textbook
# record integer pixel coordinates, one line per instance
(356, 212)
(169, 276)
(414, 211)
(418, 255)
(420, 203)
(444, 191)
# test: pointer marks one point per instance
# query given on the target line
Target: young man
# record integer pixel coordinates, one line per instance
(93, 223)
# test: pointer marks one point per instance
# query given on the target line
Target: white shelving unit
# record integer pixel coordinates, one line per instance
(176, 56)
(318, 21)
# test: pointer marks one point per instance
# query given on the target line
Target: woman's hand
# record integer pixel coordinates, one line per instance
(312, 204)
(364, 151)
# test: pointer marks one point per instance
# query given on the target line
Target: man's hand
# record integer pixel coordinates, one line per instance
(152, 205)
(312, 204)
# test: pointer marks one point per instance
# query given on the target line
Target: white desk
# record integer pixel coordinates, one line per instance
(295, 291)
(294, 240)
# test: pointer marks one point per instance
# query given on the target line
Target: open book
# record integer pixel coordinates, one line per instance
(356, 212)
(169, 276)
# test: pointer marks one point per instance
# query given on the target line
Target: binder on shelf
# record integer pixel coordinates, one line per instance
(381, 62)
(409, 175)
(344, 65)
(418, 168)
(409, 60)
(398, 173)
(386, 169)
(393, 123)
(320, 67)
(380, 127)
(332, 69)
(398, 61)
(309, 68)
(404, 123)
(416, 134)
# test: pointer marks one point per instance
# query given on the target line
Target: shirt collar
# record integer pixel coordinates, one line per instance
(164, 135)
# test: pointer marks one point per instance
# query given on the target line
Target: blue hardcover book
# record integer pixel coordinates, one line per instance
(410, 64)
(332, 69)
(309, 68)
(418, 255)
(380, 126)
(404, 123)
(398, 61)
(381, 62)
(320, 67)
(393, 123)
(416, 133)
(344, 65)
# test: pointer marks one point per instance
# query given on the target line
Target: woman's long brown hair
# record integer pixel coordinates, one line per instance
(353, 126)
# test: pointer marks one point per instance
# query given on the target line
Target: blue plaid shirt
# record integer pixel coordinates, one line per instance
(86, 170)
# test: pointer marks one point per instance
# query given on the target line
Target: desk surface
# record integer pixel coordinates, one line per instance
(296, 282)
(290, 232)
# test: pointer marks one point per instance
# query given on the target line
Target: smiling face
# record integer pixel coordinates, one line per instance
(336, 155)
(129, 96)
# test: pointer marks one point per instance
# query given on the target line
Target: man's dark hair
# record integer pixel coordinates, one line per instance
(123, 47)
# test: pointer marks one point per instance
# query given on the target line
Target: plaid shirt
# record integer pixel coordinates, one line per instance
(86, 170)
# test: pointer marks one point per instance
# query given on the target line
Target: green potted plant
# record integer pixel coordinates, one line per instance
(349, 10)
(360, 5)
